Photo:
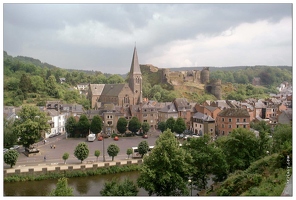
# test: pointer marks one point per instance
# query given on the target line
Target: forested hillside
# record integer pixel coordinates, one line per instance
(30, 81)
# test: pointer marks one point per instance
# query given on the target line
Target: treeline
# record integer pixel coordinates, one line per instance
(270, 76)
(28, 81)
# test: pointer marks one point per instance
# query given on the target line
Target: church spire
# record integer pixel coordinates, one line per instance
(135, 67)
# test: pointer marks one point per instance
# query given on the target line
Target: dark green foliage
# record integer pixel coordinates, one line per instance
(162, 126)
(121, 125)
(97, 154)
(62, 188)
(134, 124)
(113, 150)
(96, 124)
(9, 138)
(129, 152)
(143, 148)
(30, 124)
(241, 149)
(10, 157)
(71, 126)
(117, 188)
(207, 159)
(239, 182)
(145, 127)
(167, 155)
(83, 125)
(170, 124)
(179, 126)
(81, 151)
(282, 137)
(65, 157)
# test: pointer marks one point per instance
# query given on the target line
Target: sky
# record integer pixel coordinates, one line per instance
(101, 36)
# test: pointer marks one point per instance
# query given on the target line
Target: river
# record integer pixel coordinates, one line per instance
(82, 186)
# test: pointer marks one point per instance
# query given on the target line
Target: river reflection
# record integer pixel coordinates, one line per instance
(82, 186)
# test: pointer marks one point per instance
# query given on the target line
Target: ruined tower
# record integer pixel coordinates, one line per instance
(205, 75)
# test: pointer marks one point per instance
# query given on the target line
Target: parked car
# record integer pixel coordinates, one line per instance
(52, 135)
(145, 136)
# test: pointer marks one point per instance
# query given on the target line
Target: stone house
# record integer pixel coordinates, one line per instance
(203, 124)
(231, 118)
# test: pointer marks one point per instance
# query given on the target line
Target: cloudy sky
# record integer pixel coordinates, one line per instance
(101, 37)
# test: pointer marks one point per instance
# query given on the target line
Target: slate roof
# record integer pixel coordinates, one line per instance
(203, 117)
(171, 108)
(135, 67)
(234, 112)
(96, 89)
(112, 89)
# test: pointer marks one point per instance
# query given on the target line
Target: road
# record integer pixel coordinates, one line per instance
(63, 145)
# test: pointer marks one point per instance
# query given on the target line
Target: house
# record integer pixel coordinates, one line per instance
(231, 118)
(203, 124)
(57, 122)
(208, 110)
(185, 110)
(83, 88)
(285, 117)
(168, 111)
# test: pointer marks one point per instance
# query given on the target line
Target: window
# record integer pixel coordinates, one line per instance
(237, 120)
(237, 126)
(199, 126)
(245, 120)
(229, 120)
(245, 126)
(222, 125)
(211, 130)
(145, 120)
(222, 119)
(229, 126)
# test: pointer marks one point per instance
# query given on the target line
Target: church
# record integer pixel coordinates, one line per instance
(122, 95)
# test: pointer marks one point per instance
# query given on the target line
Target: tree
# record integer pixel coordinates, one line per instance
(51, 86)
(81, 151)
(121, 125)
(134, 124)
(62, 188)
(10, 157)
(113, 150)
(30, 124)
(161, 126)
(116, 188)
(143, 148)
(170, 123)
(167, 155)
(207, 159)
(129, 152)
(240, 148)
(97, 154)
(282, 137)
(65, 157)
(9, 138)
(180, 125)
(70, 125)
(96, 124)
(83, 125)
(25, 84)
(145, 127)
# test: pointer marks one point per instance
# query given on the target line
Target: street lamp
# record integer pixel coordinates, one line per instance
(190, 182)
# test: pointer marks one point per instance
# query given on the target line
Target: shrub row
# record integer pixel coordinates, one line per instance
(74, 173)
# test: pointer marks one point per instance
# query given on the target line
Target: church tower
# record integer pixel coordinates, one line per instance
(135, 79)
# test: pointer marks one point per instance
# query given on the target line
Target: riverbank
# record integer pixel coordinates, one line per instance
(42, 172)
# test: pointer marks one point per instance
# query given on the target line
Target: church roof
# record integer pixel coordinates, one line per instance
(112, 89)
(96, 89)
(135, 67)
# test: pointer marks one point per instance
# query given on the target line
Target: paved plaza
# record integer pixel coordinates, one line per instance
(63, 145)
